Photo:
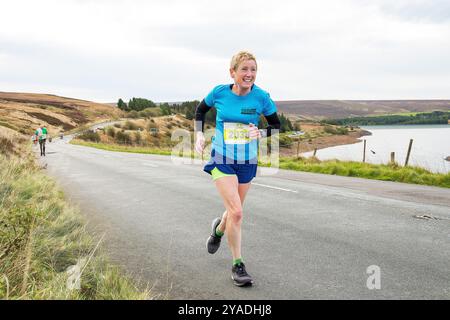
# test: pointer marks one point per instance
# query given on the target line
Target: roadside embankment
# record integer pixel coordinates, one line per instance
(385, 172)
(45, 250)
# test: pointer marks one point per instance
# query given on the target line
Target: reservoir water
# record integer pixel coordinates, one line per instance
(430, 147)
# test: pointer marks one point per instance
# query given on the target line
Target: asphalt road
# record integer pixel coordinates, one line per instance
(305, 236)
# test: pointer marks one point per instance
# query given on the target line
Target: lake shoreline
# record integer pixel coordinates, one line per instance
(325, 142)
(430, 148)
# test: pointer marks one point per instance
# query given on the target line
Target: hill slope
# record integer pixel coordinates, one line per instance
(334, 109)
(23, 112)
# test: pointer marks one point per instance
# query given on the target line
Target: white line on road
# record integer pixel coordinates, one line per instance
(149, 165)
(282, 189)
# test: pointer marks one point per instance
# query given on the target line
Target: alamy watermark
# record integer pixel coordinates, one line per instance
(264, 151)
(374, 279)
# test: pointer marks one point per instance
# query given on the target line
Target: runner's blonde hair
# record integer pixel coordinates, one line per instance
(240, 57)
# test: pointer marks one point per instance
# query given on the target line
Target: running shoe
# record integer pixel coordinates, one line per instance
(240, 276)
(213, 242)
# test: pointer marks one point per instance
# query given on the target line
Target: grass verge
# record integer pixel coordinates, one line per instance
(121, 148)
(385, 172)
(44, 244)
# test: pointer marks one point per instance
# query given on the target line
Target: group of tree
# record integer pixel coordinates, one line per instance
(286, 124)
(187, 108)
(435, 117)
(140, 104)
(136, 104)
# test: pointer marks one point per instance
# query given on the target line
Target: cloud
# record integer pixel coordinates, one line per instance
(436, 11)
(178, 50)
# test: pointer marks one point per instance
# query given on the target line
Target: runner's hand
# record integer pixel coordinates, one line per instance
(200, 142)
(253, 133)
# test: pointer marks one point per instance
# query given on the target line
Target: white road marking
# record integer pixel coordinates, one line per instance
(271, 187)
(149, 164)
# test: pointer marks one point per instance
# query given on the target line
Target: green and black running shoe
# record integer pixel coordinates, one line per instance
(213, 242)
(240, 276)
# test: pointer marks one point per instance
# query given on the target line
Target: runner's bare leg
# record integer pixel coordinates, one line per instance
(242, 189)
(228, 188)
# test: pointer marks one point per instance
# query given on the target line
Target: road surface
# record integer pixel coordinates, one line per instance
(305, 236)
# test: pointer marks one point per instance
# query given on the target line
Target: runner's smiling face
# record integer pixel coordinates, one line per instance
(244, 76)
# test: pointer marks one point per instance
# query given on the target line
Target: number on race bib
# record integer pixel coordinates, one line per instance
(236, 133)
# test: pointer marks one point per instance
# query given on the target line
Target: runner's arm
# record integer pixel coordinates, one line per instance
(273, 122)
(200, 113)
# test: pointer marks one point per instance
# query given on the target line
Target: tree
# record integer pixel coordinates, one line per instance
(190, 113)
(122, 105)
(165, 109)
(286, 124)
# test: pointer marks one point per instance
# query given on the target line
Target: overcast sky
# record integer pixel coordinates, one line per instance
(102, 50)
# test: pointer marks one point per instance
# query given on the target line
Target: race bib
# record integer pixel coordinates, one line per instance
(236, 133)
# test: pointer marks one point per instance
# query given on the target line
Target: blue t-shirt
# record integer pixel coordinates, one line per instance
(234, 113)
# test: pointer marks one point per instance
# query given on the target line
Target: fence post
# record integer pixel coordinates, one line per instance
(298, 147)
(315, 151)
(409, 151)
(392, 157)
(364, 152)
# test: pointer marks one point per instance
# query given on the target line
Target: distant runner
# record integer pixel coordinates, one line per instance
(234, 155)
(41, 136)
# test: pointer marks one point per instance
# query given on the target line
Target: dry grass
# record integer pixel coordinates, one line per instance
(11, 142)
(42, 237)
(137, 132)
(24, 112)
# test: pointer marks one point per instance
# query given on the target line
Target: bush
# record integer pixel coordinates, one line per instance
(330, 130)
(89, 135)
(123, 138)
(133, 114)
(111, 132)
(285, 141)
(342, 131)
(128, 125)
(333, 130)
(137, 137)
(155, 142)
(6, 146)
(150, 112)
